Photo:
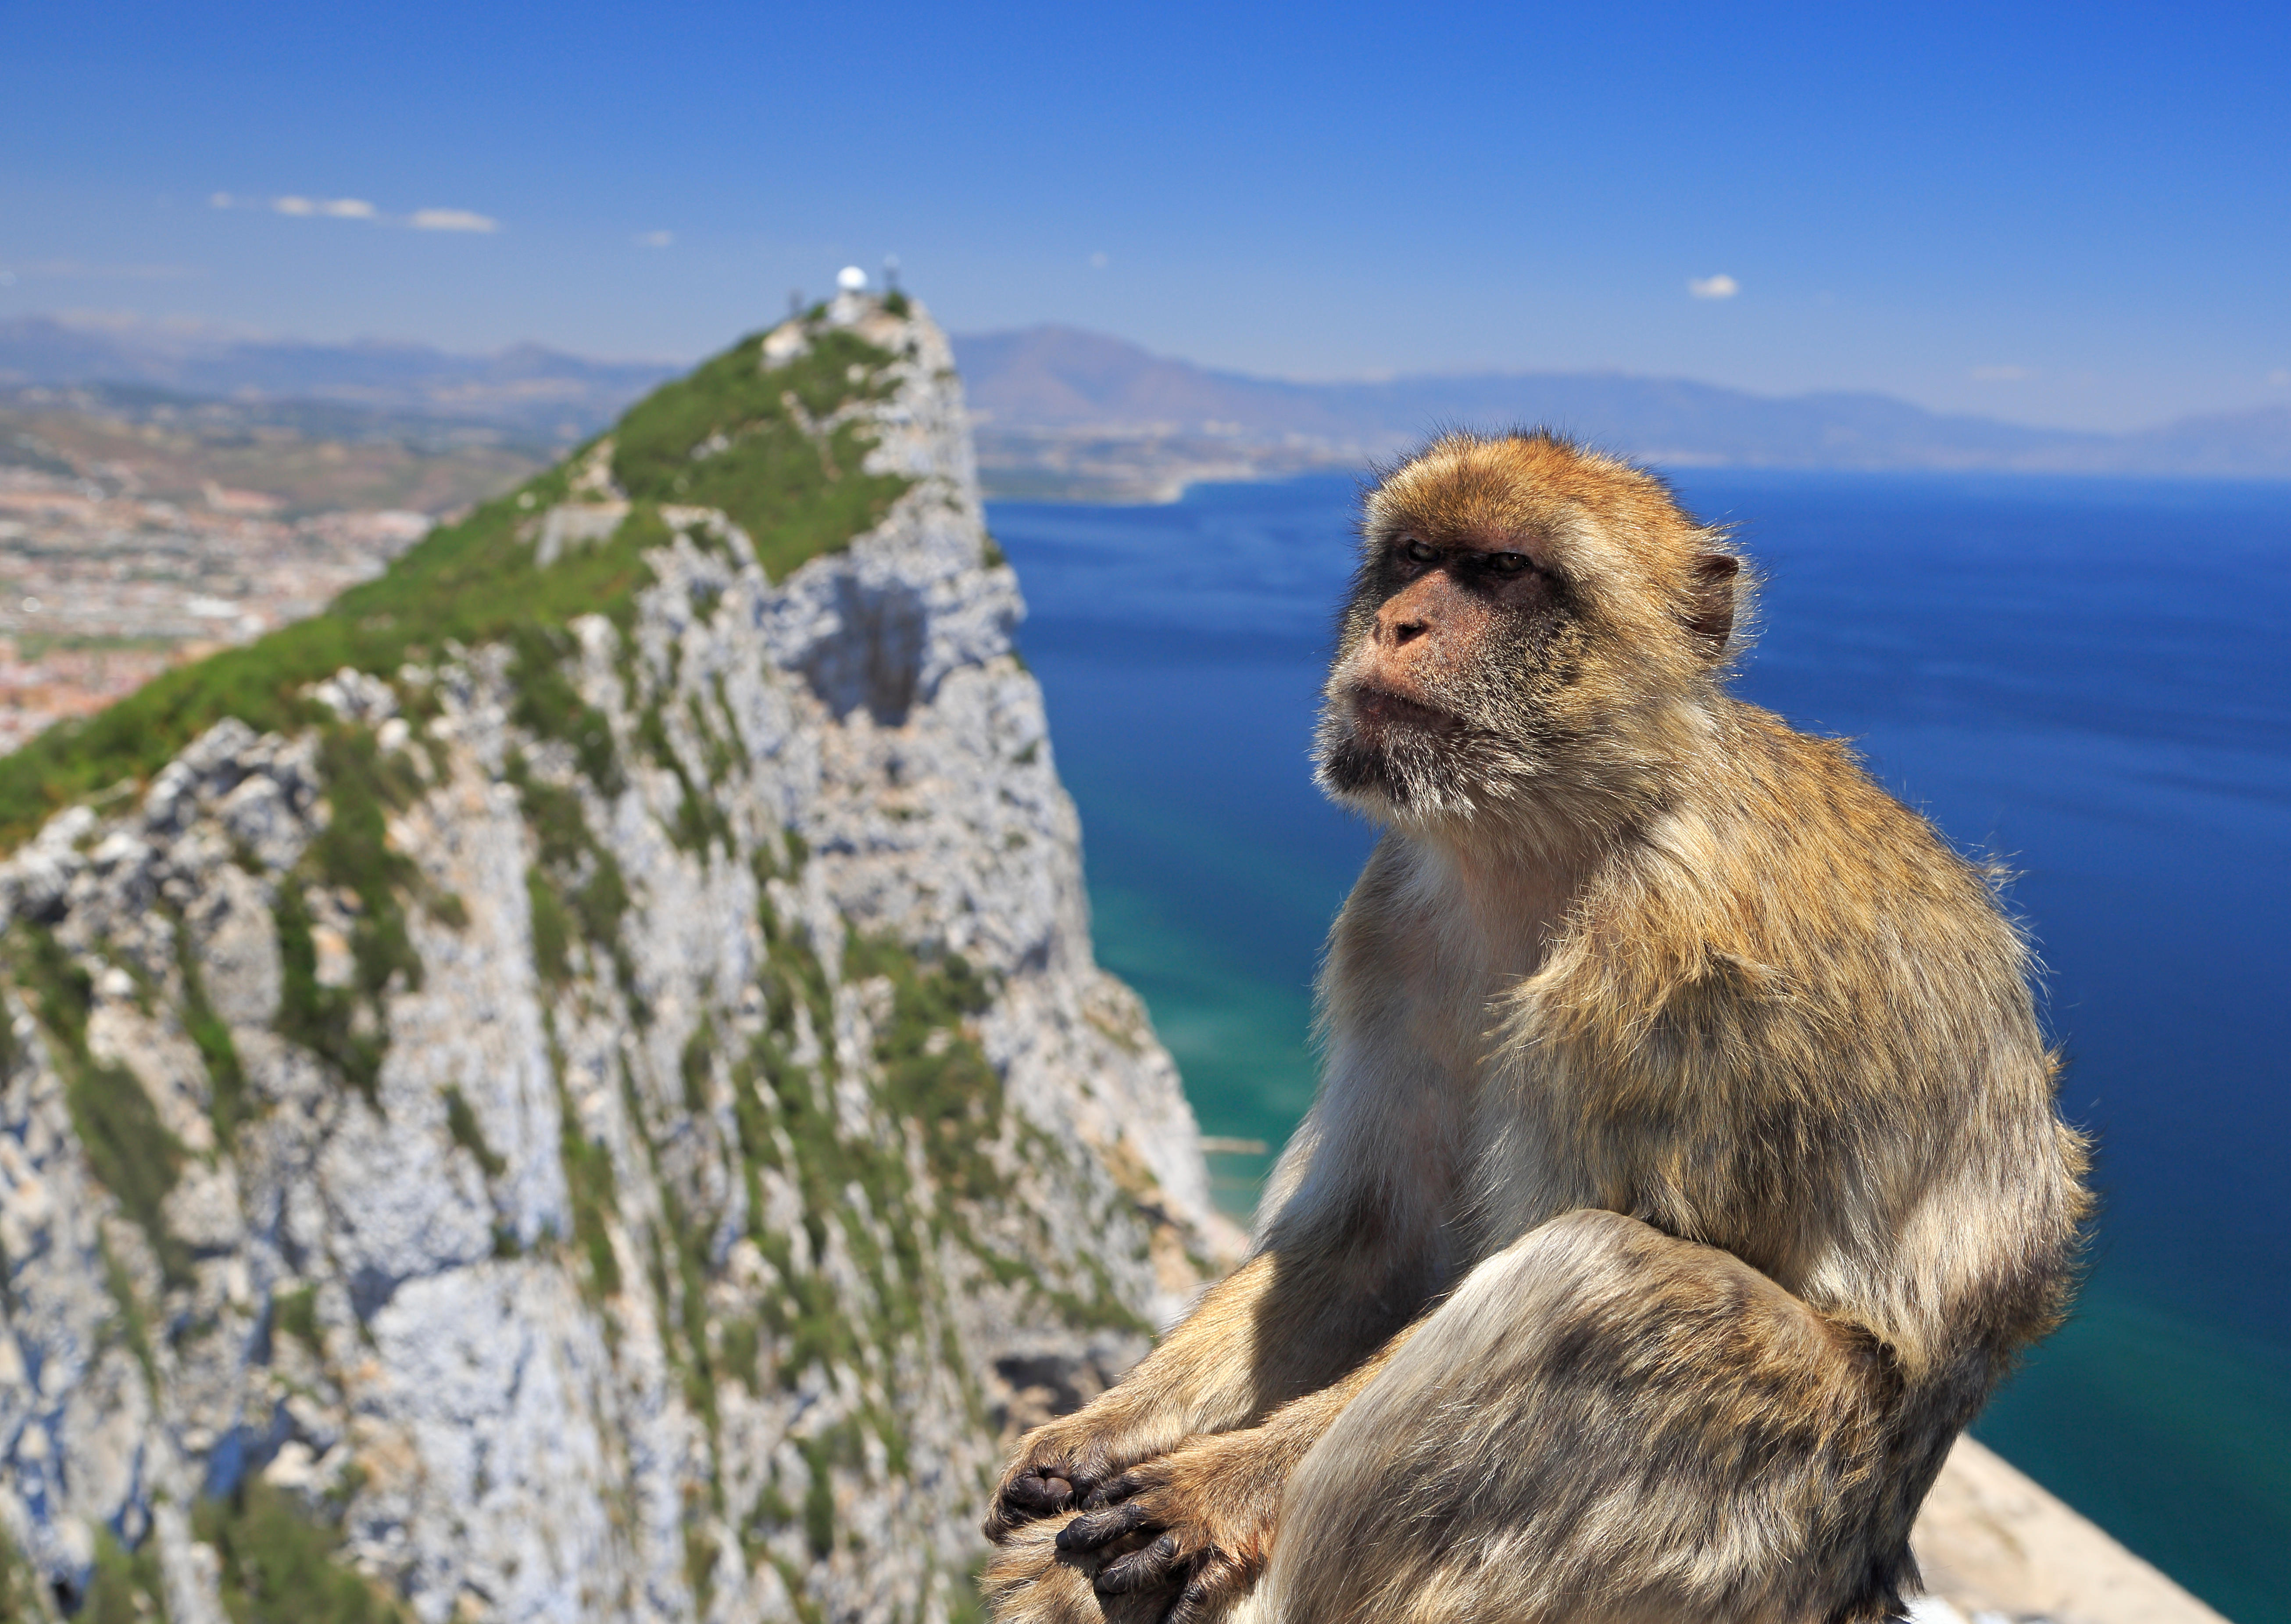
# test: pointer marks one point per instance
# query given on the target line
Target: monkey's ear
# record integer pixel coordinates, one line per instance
(1712, 622)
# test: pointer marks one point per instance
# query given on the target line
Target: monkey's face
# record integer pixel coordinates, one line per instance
(1452, 647)
(1520, 610)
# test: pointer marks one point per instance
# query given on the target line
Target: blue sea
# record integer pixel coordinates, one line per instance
(2091, 678)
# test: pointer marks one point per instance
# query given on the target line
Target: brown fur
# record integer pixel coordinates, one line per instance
(1685, 1171)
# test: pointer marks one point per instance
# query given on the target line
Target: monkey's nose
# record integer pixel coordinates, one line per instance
(1406, 630)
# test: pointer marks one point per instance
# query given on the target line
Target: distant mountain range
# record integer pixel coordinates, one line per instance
(1067, 414)
(541, 394)
(1061, 409)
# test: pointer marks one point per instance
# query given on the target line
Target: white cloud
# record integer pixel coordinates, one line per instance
(300, 207)
(1720, 286)
(2002, 374)
(1100, 259)
(338, 208)
(2281, 375)
(654, 239)
(452, 220)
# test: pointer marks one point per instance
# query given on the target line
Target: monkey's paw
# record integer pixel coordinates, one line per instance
(1059, 1467)
(1027, 1581)
(1198, 1520)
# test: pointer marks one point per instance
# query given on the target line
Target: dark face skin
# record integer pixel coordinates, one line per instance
(1447, 640)
(1442, 603)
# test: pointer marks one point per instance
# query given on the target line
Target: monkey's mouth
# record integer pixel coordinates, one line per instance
(1377, 709)
(1394, 751)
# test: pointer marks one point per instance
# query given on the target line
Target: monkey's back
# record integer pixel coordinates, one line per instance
(1789, 1021)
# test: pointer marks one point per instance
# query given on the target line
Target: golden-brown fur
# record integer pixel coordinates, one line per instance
(1685, 1170)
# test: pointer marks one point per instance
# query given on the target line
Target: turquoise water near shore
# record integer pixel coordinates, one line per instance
(2091, 678)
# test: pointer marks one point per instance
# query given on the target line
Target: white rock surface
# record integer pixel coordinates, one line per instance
(2000, 1548)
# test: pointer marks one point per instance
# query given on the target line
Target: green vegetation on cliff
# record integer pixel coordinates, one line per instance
(280, 1566)
(772, 448)
(769, 448)
(22, 1595)
(227, 1104)
(128, 1147)
(123, 1587)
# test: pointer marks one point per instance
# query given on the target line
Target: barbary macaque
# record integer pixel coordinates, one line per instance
(1685, 1170)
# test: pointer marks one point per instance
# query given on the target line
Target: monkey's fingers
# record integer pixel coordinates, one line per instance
(1093, 1529)
(1218, 1580)
(1158, 1565)
(1115, 1489)
(1036, 1493)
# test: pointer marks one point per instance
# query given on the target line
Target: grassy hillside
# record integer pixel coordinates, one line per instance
(730, 435)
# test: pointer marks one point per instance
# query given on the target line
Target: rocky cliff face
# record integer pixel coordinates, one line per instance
(602, 1107)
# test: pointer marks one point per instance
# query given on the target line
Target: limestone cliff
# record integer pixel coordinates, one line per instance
(600, 1105)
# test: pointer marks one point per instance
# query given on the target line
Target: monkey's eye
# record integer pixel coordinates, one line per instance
(1508, 563)
(1416, 552)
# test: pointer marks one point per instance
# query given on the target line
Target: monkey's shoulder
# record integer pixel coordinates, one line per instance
(1796, 845)
(1789, 904)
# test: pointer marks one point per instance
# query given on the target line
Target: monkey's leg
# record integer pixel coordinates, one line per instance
(1603, 1425)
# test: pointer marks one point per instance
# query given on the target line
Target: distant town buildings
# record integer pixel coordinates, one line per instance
(100, 590)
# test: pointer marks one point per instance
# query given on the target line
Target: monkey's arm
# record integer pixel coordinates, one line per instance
(1354, 1252)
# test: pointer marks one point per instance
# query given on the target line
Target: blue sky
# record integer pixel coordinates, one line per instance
(2073, 215)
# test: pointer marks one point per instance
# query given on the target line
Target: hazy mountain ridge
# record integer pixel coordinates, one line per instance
(242, 418)
(541, 392)
(307, 457)
(1068, 411)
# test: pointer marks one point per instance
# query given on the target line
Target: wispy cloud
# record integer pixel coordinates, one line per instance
(331, 208)
(2002, 374)
(1720, 286)
(336, 208)
(300, 207)
(654, 239)
(2281, 375)
(452, 220)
